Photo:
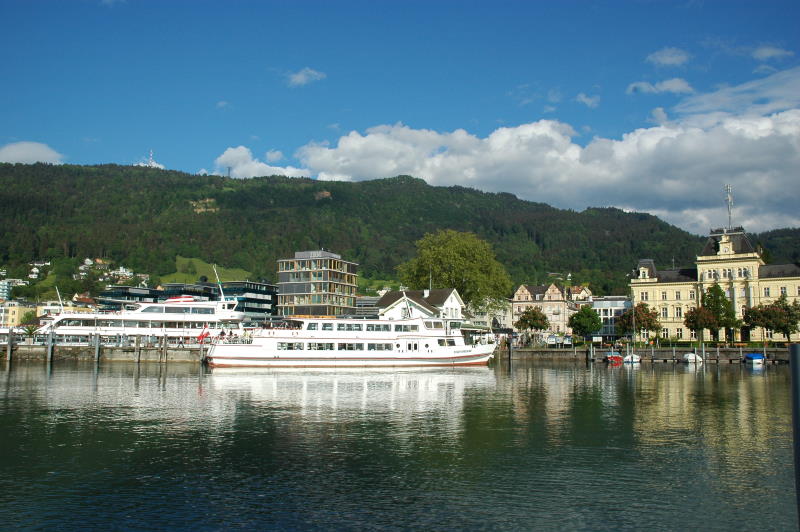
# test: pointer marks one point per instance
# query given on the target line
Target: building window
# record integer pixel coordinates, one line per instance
(692, 335)
(664, 295)
(677, 294)
(664, 313)
(768, 333)
(691, 295)
(678, 312)
(643, 296)
(665, 333)
(766, 291)
(679, 333)
(783, 291)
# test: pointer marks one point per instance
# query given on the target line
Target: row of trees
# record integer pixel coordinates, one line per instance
(715, 313)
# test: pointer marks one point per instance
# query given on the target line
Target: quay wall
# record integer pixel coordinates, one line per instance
(193, 354)
(712, 355)
(106, 354)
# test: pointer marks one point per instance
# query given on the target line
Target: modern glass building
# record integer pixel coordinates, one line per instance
(316, 283)
(256, 300)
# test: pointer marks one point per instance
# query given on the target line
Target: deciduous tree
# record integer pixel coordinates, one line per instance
(532, 319)
(450, 259)
(646, 319)
(585, 321)
(700, 318)
(721, 308)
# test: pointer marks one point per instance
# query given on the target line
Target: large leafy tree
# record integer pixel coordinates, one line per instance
(700, 318)
(779, 316)
(585, 321)
(721, 308)
(646, 319)
(451, 259)
(532, 319)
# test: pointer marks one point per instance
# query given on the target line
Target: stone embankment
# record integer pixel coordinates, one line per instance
(105, 353)
(658, 355)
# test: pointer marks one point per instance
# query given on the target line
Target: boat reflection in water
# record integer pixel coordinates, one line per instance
(331, 390)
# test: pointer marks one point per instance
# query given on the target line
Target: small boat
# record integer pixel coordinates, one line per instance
(692, 358)
(754, 359)
(613, 357)
(632, 359)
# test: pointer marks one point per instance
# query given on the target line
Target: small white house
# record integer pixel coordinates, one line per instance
(438, 303)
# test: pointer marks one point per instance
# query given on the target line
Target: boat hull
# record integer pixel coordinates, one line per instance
(222, 356)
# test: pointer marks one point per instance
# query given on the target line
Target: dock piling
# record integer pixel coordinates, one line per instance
(50, 342)
(794, 367)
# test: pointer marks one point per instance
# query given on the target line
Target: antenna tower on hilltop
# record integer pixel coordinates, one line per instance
(729, 201)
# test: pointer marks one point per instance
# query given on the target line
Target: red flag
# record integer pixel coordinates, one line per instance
(204, 334)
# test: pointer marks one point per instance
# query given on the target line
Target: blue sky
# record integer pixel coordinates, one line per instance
(645, 105)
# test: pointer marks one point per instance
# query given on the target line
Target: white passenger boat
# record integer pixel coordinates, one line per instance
(339, 342)
(632, 359)
(180, 319)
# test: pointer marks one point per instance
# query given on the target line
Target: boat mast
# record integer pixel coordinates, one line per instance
(221, 292)
(60, 302)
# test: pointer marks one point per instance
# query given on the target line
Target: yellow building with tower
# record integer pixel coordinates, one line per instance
(728, 259)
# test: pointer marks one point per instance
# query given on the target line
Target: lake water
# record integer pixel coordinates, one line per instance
(534, 446)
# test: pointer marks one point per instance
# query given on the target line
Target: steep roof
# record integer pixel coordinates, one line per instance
(682, 275)
(435, 298)
(773, 271)
(536, 289)
(740, 243)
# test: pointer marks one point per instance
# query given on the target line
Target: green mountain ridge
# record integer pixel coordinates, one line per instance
(145, 217)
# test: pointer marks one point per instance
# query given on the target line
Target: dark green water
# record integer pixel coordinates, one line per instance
(540, 446)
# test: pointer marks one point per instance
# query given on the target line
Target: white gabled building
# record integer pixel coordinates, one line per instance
(437, 303)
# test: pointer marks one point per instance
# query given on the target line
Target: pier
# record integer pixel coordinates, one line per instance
(106, 352)
(664, 355)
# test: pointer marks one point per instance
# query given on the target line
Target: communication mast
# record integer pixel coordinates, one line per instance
(729, 201)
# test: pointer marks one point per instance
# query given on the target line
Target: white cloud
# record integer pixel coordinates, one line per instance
(242, 164)
(778, 92)
(767, 53)
(674, 85)
(588, 101)
(273, 155)
(658, 116)
(668, 57)
(764, 69)
(675, 169)
(29, 152)
(304, 77)
(222, 104)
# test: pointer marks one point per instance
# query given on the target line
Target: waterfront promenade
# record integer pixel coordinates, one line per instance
(192, 353)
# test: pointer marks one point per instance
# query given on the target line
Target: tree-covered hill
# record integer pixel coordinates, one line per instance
(144, 217)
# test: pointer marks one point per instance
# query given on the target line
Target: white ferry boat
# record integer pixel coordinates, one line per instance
(339, 342)
(181, 319)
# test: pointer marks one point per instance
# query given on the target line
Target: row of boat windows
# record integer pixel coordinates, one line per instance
(141, 324)
(370, 327)
(329, 346)
(351, 346)
(178, 310)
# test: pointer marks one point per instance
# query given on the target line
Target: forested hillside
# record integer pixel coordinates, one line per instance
(144, 217)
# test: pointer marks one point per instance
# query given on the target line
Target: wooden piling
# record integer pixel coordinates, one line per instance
(10, 344)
